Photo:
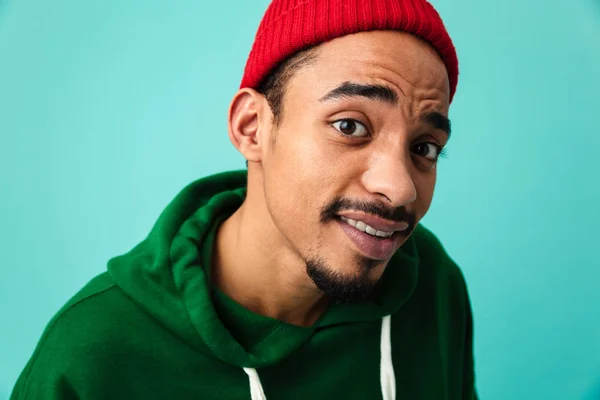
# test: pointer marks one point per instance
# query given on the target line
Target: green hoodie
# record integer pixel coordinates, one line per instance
(152, 327)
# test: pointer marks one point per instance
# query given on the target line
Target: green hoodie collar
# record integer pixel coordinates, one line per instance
(167, 275)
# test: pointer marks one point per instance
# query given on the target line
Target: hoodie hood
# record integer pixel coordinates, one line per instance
(167, 275)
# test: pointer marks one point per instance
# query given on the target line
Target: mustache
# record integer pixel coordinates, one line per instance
(397, 214)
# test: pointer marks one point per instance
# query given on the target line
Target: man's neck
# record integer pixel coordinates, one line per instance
(253, 264)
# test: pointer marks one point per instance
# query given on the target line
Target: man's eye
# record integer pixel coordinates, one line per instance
(350, 127)
(431, 151)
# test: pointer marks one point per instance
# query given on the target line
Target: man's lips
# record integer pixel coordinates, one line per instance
(375, 222)
(372, 247)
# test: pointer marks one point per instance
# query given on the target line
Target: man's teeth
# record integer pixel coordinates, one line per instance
(361, 226)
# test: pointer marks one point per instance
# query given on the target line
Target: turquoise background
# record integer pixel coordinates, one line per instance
(108, 108)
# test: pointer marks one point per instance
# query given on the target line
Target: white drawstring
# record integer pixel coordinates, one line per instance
(256, 389)
(388, 379)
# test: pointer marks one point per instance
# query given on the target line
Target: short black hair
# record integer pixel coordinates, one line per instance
(274, 84)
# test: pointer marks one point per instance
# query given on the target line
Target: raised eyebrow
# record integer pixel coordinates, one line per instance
(438, 121)
(372, 92)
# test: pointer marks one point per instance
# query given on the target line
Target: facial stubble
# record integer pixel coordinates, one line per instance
(340, 287)
(357, 287)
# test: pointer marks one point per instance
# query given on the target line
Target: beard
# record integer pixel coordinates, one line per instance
(359, 287)
(342, 288)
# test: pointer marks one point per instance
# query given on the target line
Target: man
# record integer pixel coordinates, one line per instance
(309, 276)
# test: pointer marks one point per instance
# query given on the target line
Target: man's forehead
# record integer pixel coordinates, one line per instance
(322, 81)
(372, 46)
(390, 55)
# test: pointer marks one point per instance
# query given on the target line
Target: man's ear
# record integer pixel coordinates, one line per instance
(247, 127)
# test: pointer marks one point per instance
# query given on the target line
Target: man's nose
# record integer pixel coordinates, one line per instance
(389, 176)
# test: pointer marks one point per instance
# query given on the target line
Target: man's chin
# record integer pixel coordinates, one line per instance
(341, 287)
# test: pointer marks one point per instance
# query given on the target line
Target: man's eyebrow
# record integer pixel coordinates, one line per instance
(373, 92)
(438, 121)
(387, 95)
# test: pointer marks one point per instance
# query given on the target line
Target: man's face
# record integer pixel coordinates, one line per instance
(350, 169)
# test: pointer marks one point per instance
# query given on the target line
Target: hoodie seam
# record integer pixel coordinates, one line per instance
(267, 336)
(51, 327)
(250, 349)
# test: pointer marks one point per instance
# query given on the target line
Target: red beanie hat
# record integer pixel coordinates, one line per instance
(289, 26)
